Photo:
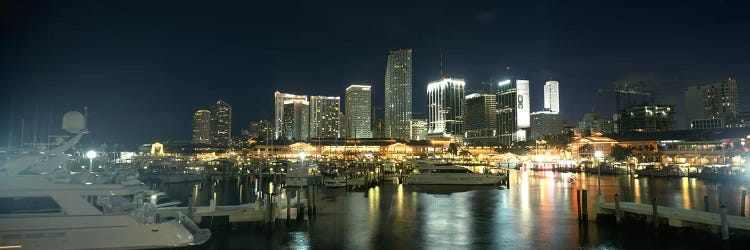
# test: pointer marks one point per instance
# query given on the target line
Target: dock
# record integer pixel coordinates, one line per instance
(677, 217)
(259, 211)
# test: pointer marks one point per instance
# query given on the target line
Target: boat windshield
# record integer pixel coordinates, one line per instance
(444, 171)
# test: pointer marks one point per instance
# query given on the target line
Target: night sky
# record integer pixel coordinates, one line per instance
(143, 67)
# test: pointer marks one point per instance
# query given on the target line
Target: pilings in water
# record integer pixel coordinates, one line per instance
(618, 211)
(724, 223)
(584, 206)
(655, 214)
(705, 203)
(742, 203)
(578, 203)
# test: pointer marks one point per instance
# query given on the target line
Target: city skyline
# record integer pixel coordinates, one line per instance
(128, 74)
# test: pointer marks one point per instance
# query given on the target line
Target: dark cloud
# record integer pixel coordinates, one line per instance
(485, 17)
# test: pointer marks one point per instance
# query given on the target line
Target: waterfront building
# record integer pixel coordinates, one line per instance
(202, 127)
(513, 118)
(325, 117)
(445, 100)
(281, 99)
(480, 119)
(552, 97)
(358, 107)
(545, 123)
(398, 94)
(646, 118)
(221, 123)
(260, 130)
(418, 129)
(718, 101)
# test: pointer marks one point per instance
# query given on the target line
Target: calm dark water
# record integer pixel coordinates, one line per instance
(537, 212)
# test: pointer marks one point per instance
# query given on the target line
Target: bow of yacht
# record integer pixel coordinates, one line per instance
(41, 208)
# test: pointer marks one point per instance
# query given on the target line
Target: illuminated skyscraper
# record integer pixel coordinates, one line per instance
(418, 129)
(202, 127)
(552, 97)
(398, 94)
(280, 99)
(514, 116)
(260, 129)
(480, 122)
(221, 123)
(325, 114)
(714, 103)
(358, 111)
(445, 100)
(295, 120)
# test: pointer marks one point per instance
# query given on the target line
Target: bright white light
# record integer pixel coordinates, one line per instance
(91, 154)
(598, 154)
(302, 155)
(503, 83)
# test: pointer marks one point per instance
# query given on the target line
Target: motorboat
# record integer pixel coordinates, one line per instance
(450, 175)
(40, 208)
(160, 199)
(300, 175)
(334, 181)
(665, 171)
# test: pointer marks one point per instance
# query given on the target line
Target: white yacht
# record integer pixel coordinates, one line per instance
(334, 181)
(40, 208)
(160, 199)
(300, 175)
(450, 175)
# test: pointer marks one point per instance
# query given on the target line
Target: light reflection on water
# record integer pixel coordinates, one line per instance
(538, 211)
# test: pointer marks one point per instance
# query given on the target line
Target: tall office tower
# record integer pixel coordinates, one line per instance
(712, 105)
(445, 101)
(513, 118)
(279, 100)
(398, 107)
(552, 97)
(221, 123)
(545, 123)
(358, 111)
(418, 129)
(295, 120)
(325, 114)
(202, 127)
(480, 122)
(260, 130)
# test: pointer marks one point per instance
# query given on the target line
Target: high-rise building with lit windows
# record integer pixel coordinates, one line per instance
(295, 120)
(514, 116)
(325, 117)
(358, 107)
(202, 127)
(418, 129)
(398, 94)
(445, 100)
(260, 130)
(552, 97)
(480, 123)
(712, 105)
(281, 99)
(221, 123)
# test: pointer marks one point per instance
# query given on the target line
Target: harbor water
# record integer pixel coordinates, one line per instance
(538, 211)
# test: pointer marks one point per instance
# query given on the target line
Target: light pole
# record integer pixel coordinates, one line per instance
(91, 154)
(599, 197)
(598, 155)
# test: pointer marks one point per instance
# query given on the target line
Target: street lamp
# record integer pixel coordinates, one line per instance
(91, 155)
(302, 156)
